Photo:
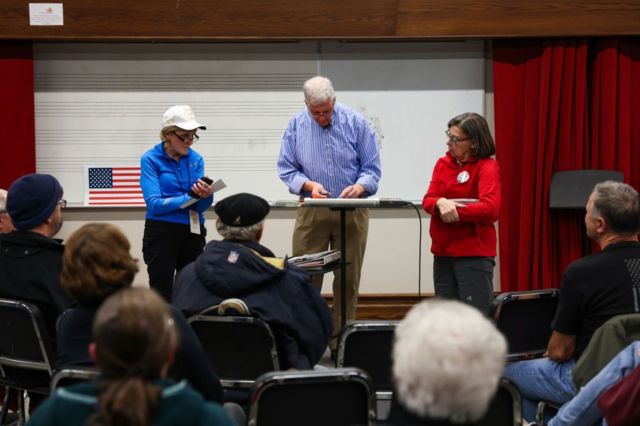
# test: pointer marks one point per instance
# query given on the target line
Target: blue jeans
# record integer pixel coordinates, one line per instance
(583, 409)
(541, 379)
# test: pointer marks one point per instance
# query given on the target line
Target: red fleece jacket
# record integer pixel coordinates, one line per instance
(474, 234)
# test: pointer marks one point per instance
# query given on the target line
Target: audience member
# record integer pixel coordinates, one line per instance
(240, 267)
(96, 264)
(584, 409)
(593, 289)
(447, 361)
(135, 341)
(30, 258)
(6, 225)
(620, 404)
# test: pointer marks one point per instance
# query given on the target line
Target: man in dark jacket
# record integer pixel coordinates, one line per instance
(30, 259)
(276, 292)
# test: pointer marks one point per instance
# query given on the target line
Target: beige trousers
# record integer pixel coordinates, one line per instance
(317, 229)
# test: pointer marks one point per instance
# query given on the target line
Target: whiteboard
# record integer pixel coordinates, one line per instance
(103, 103)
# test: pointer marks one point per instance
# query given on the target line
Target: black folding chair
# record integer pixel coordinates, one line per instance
(367, 345)
(240, 348)
(524, 318)
(71, 376)
(505, 408)
(26, 352)
(336, 397)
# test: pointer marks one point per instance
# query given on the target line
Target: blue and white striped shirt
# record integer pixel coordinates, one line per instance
(341, 154)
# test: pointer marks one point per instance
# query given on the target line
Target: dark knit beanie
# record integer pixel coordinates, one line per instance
(31, 200)
(242, 209)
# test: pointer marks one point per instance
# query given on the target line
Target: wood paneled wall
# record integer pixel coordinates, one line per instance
(251, 20)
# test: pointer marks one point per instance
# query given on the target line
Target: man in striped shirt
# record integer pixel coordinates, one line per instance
(330, 151)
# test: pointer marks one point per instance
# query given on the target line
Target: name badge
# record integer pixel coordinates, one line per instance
(194, 222)
(463, 177)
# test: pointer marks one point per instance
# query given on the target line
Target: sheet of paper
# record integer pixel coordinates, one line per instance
(45, 14)
(194, 222)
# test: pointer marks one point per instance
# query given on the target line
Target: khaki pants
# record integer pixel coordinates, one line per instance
(317, 229)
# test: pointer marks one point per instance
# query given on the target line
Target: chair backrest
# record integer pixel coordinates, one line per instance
(26, 351)
(505, 408)
(240, 348)
(524, 318)
(336, 397)
(71, 376)
(367, 345)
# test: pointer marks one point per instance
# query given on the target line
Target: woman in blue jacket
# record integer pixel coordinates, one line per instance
(171, 172)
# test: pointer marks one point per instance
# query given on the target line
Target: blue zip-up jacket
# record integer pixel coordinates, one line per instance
(165, 184)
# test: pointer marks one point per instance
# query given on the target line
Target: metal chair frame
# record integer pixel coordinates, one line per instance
(74, 374)
(506, 298)
(240, 320)
(7, 361)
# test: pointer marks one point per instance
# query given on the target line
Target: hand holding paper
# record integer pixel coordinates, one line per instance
(196, 192)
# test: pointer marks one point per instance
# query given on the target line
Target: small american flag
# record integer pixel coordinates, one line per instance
(113, 186)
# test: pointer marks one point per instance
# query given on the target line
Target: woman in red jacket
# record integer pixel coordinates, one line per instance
(463, 200)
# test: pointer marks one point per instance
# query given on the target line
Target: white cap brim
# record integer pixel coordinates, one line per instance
(191, 125)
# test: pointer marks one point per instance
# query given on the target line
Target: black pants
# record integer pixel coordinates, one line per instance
(166, 248)
(469, 279)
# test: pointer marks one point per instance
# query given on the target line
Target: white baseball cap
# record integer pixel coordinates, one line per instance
(181, 116)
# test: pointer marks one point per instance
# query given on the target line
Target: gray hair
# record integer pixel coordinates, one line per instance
(318, 90)
(242, 233)
(3, 199)
(447, 361)
(619, 205)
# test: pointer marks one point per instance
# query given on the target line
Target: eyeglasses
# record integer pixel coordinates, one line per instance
(187, 139)
(455, 140)
(321, 113)
(62, 203)
(326, 113)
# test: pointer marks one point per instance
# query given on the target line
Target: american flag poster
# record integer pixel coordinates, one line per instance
(113, 186)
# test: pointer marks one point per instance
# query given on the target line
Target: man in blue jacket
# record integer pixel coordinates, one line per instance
(240, 267)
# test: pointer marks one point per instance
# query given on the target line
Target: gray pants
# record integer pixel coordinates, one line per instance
(469, 279)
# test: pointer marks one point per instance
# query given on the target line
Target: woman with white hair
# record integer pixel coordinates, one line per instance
(447, 361)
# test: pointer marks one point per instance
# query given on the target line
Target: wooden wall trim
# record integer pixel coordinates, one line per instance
(384, 306)
(261, 20)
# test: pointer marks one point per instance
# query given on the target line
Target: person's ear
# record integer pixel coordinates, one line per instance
(92, 352)
(259, 235)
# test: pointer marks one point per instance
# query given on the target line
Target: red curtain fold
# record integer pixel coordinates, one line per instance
(17, 110)
(562, 104)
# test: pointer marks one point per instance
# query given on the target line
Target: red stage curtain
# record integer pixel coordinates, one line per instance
(17, 110)
(561, 104)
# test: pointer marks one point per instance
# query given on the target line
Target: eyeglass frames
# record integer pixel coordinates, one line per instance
(455, 140)
(187, 139)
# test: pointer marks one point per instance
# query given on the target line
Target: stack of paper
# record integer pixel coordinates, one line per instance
(315, 260)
